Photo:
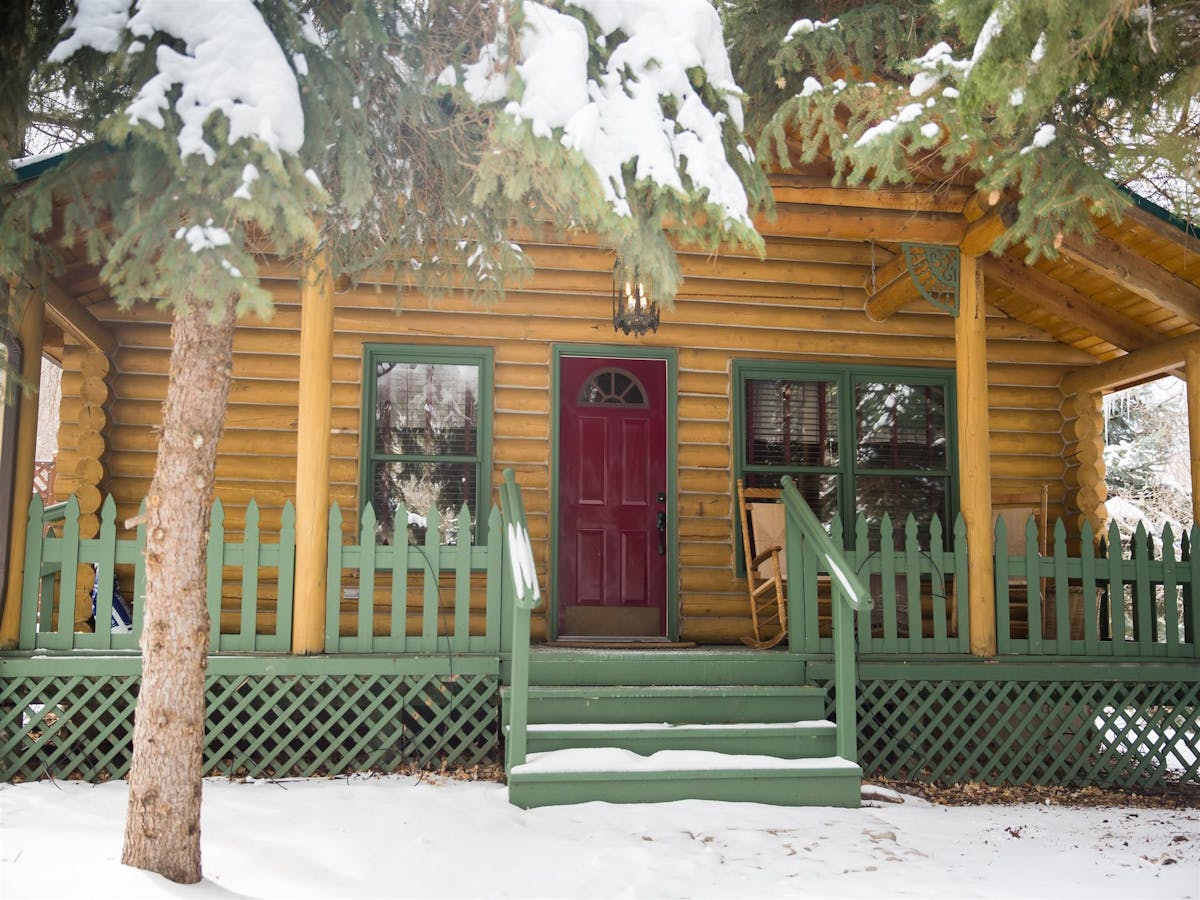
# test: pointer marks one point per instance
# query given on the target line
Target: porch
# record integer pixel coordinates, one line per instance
(1103, 599)
(1095, 679)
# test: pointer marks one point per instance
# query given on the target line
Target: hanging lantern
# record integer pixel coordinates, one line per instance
(634, 312)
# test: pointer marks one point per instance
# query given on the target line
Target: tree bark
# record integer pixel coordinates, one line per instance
(162, 828)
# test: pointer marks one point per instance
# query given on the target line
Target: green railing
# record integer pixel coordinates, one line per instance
(1100, 601)
(424, 589)
(381, 599)
(1126, 602)
(809, 545)
(919, 592)
(521, 575)
(61, 568)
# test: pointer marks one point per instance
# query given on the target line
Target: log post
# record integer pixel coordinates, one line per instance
(1083, 416)
(33, 327)
(312, 454)
(974, 459)
(30, 334)
(1192, 372)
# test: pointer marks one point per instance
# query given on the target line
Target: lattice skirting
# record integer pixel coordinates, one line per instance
(270, 724)
(1113, 734)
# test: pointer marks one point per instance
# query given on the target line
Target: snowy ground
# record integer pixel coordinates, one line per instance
(400, 837)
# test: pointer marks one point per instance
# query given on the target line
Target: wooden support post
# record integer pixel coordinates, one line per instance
(312, 454)
(30, 334)
(974, 460)
(1193, 408)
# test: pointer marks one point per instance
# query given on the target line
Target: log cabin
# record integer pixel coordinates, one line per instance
(936, 408)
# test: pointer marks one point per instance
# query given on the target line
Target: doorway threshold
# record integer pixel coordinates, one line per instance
(623, 642)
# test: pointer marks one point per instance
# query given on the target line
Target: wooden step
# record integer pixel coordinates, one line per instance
(786, 740)
(708, 665)
(615, 775)
(685, 704)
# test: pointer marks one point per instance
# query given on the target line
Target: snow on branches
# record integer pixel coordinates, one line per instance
(1053, 101)
(662, 102)
(232, 64)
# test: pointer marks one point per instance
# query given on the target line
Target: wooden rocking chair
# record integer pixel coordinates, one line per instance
(762, 540)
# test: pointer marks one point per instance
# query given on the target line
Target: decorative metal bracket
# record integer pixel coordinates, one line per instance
(934, 270)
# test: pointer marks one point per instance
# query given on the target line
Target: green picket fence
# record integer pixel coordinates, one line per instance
(1108, 600)
(381, 599)
(61, 568)
(370, 605)
(918, 591)
(1125, 602)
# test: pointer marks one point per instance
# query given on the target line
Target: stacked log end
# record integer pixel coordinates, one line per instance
(81, 434)
(1083, 431)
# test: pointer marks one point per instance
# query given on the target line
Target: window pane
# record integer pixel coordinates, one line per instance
(820, 491)
(923, 497)
(901, 426)
(426, 409)
(791, 423)
(417, 487)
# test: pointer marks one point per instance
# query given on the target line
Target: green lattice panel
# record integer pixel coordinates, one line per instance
(282, 725)
(300, 725)
(1112, 734)
(77, 726)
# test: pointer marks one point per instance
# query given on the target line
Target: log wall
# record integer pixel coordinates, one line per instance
(805, 304)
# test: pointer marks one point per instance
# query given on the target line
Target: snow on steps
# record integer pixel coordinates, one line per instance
(788, 740)
(615, 775)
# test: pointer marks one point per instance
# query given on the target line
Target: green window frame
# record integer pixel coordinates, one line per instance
(426, 433)
(841, 473)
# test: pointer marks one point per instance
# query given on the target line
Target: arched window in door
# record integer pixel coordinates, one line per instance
(612, 387)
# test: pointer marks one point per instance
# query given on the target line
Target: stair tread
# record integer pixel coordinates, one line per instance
(614, 760)
(768, 690)
(808, 725)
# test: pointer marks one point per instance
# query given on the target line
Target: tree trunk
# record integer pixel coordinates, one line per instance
(162, 828)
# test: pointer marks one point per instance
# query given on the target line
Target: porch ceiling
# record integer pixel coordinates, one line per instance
(1136, 287)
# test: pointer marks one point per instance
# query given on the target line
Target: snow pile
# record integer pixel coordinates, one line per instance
(231, 64)
(203, 237)
(617, 118)
(807, 26)
(400, 836)
(616, 759)
(98, 24)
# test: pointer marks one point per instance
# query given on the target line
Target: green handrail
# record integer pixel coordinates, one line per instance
(849, 595)
(521, 579)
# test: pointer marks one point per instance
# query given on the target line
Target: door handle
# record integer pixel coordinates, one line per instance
(661, 523)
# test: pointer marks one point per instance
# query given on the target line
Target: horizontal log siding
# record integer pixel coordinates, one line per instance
(729, 307)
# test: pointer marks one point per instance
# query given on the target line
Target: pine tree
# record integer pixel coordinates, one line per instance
(1056, 102)
(33, 116)
(409, 135)
(1146, 454)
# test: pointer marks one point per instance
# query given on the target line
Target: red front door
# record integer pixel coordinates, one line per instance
(612, 479)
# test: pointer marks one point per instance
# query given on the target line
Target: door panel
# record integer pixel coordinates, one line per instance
(612, 578)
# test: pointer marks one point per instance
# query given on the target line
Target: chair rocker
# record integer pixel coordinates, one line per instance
(762, 519)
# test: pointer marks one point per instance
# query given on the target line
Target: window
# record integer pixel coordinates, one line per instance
(613, 387)
(426, 438)
(856, 440)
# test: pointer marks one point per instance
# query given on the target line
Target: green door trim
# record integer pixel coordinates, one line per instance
(618, 351)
